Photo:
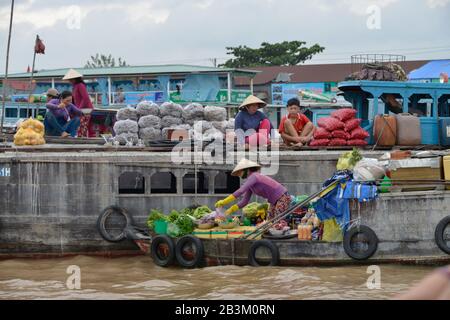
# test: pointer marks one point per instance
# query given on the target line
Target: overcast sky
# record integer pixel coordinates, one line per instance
(192, 31)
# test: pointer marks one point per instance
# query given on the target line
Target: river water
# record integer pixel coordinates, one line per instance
(139, 278)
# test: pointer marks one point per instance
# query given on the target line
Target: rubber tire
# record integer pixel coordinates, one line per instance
(439, 235)
(373, 243)
(101, 224)
(275, 260)
(158, 240)
(200, 252)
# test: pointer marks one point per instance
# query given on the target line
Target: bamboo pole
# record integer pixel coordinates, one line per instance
(31, 81)
(7, 66)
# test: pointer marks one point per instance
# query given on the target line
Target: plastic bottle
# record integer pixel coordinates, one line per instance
(309, 229)
(300, 232)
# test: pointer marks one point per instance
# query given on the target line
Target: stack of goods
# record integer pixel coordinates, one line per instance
(154, 123)
(341, 129)
(310, 228)
(31, 133)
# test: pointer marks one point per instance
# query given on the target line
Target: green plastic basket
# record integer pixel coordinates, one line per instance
(161, 227)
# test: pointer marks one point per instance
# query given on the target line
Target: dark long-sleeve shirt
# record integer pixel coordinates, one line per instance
(81, 96)
(70, 111)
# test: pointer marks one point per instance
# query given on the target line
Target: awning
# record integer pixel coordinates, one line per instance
(431, 70)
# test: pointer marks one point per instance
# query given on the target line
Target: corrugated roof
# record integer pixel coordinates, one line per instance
(313, 73)
(431, 70)
(134, 70)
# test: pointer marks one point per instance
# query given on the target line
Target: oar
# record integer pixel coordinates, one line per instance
(320, 194)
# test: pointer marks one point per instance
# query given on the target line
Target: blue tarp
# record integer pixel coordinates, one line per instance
(200, 87)
(431, 70)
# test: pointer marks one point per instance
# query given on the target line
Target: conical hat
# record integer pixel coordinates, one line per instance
(245, 164)
(252, 100)
(72, 74)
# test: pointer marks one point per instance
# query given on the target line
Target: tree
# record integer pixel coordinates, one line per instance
(104, 61)
(287, 53)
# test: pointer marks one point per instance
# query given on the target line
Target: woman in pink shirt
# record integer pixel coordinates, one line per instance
(256, 183)
(81, 100)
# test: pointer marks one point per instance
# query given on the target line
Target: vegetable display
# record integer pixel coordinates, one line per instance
(154, 216)
(252, 210)
(200, 212)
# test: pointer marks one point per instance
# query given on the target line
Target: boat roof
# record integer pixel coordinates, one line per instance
(150, 70)
(392, 84)
(432, 70)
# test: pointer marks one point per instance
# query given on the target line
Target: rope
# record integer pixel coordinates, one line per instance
(386, 123)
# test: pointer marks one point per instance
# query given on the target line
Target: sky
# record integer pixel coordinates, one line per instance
(195, 31)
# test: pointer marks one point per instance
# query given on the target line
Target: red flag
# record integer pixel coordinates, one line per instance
(39, 47)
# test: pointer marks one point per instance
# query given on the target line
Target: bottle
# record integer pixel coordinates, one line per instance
(309, 229)
(300, 232)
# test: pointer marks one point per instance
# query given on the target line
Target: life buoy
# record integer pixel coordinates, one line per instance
(274, 252)
(441, 236)
(371, 242)
(194, 257)
(162, 251)
(117, 232)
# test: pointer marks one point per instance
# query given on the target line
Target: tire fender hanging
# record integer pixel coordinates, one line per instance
(161, 261)
(439, 235)
(198, 256)
(372, 243)
(275, 253)
(101, 223)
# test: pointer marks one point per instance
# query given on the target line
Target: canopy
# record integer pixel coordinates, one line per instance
(431, 70)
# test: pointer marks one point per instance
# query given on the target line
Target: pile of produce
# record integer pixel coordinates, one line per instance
(256, 210)
(341, 129)
(31, 133)
(349, 160)
(150, 122)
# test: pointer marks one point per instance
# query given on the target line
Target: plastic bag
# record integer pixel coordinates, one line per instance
(147, 108)
(126, 126)
(330, 124)
(170, 121)
(344, 114)
(192, 122)
(337, 142)
(173, 230)
(357, 143)
(359, 134)
(215, 113)
(320, 143)
(171, 109)
(369, 170)
(127, 114)
(193, 111)
(340, 134)
(125, 138)
(352, 124)
(150, 122)
(220, 125)
(332, 232)
(321, 133)
(150, 134)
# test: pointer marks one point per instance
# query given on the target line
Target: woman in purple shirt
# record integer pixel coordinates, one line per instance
(62, 118)
(256, 183)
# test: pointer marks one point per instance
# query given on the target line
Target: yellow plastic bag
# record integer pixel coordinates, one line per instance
(332, 231)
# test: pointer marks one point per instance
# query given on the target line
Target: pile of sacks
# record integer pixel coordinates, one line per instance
(151, 122)
(31, 133)
(341, 129)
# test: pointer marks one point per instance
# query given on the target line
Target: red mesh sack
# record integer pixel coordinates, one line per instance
(357, 143)
(321, 133)
(319, 143)
(359, 134)
(344, 114)
(340, 134)
(330, 124)
(352, 124)
(337, 142)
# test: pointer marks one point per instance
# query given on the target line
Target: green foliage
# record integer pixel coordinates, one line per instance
(173, 216)
(287, 53)
(105, 61)
(200, 212)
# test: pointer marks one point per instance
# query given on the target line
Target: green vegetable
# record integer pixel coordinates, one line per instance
(155, 215)
(349, 160)
(185, 225)
(173, 216)
(200, 212)
(251, 210)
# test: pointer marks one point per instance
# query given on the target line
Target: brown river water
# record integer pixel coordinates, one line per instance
(139, 278)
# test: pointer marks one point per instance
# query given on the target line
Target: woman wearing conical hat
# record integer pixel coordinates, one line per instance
(256, 183)
(252, 126)
(81, 99)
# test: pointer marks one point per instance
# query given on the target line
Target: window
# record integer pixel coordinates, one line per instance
(23, 113)
(444, 106)
(225, 183)
(131, 183)
(393, 103)
(189, 183)
(421, 104)
(163, 182)
(11, 113)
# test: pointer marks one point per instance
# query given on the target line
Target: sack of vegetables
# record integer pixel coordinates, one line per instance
(31, 133)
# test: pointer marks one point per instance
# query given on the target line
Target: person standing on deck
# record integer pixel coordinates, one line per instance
(295, 128)
(63, 117)
(81, 99)
(252, 127)
(256, 183)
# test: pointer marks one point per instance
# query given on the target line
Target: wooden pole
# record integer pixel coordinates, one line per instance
(31, 80)
(7, 65)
